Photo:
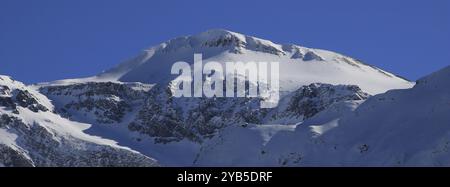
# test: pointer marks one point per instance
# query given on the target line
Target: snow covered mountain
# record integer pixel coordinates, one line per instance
(333, 110)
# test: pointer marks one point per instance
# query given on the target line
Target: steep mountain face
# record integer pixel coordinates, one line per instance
(168, 118)
(32, 135)
(195, 118)
(309, 100)
(97, 102)
(166, 121)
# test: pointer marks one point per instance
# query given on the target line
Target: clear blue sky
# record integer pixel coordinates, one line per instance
(54, 39)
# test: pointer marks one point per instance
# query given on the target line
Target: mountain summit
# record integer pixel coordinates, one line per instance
(299, 65)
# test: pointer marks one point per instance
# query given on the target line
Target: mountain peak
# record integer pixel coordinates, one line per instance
(224, 40)
(220, 38)
(220, 33)
(298, 65)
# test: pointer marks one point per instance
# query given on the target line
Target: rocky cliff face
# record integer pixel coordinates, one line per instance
(310, 100)
(97, 102)
(166, 118)
(31, 135)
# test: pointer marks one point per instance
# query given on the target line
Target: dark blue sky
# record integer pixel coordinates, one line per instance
(54, 39)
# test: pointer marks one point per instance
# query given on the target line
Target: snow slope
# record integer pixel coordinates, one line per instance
(399, 128)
